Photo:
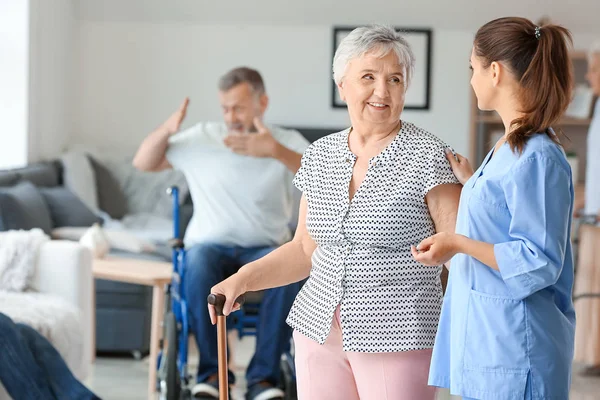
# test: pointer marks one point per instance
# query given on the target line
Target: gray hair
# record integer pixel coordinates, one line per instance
(380, 39)
(242, 75)
(594, 50)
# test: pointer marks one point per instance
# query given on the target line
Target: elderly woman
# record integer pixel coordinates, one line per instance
(366, 319)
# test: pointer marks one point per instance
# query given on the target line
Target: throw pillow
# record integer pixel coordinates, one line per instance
(111, 198)
(23, 207)
(18, 255)
(66, 209)
(78, 176)
(122, 189)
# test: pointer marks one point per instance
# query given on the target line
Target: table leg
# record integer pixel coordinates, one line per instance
(158, 301)
(93, 320)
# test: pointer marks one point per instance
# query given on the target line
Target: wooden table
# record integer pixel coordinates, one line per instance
(142, 272)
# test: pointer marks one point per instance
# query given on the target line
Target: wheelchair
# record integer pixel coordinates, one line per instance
(173, 377)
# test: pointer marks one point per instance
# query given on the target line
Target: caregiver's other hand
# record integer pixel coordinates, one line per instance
(436, 250)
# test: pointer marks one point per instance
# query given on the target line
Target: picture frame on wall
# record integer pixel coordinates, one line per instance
(419, 92)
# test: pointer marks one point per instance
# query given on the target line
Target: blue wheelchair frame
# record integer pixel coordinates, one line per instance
(176, 301)
(176, 292)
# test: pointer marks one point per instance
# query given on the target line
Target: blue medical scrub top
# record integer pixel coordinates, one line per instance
(509, 334)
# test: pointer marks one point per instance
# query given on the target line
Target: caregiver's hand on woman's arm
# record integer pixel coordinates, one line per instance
(460, 166)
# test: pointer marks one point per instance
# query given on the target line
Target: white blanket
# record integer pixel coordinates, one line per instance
(18, 257)
(54, 318)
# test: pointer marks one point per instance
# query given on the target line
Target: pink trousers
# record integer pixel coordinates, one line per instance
(326, 372)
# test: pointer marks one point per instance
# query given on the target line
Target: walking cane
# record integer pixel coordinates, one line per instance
(218, 301)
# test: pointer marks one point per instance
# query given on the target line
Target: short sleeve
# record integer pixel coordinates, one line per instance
(439, 171)
(539, 198)
(303, 176)
(181, 145)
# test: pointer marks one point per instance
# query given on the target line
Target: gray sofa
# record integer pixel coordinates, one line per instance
(121, 308)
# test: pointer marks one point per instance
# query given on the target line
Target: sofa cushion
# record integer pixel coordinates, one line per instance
(111, 199)
(66, 209)
(41, 174)
(122, 189)
(23, 207)
(117, 238)
(8, 178)
(78, 176)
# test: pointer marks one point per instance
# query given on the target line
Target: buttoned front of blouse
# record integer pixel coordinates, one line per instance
(388, 302)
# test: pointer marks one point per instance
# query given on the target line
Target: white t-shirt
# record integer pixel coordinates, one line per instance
(592, 172)
(238, 200)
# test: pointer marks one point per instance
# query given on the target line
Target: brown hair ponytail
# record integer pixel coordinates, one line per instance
(539, 59)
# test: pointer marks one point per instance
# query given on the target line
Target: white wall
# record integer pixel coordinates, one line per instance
(86, 78)
(14, 50)
(441, 14)
(52, 66)
(132, 75)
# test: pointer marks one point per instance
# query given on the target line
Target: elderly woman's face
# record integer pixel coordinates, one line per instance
(374, 88)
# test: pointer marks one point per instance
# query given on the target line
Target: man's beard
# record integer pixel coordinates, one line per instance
(238, 127)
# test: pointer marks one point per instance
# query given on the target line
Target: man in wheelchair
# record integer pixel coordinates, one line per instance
(239, 174)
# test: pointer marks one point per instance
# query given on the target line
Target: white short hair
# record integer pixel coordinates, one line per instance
(380, 39)
(594, 50)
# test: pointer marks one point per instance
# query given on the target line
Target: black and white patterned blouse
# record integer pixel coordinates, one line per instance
(388, 302)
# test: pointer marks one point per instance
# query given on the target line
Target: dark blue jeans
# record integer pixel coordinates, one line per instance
(209, 264)
(31, 368)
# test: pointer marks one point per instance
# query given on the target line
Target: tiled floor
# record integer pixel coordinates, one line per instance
(126, 379)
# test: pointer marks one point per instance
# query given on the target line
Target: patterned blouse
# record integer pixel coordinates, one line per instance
(388, 302)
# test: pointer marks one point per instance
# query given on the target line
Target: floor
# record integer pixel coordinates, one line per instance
(122, 378)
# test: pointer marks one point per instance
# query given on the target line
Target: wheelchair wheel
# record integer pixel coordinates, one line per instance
(169, 379)
(186, 394)
(288, 377)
